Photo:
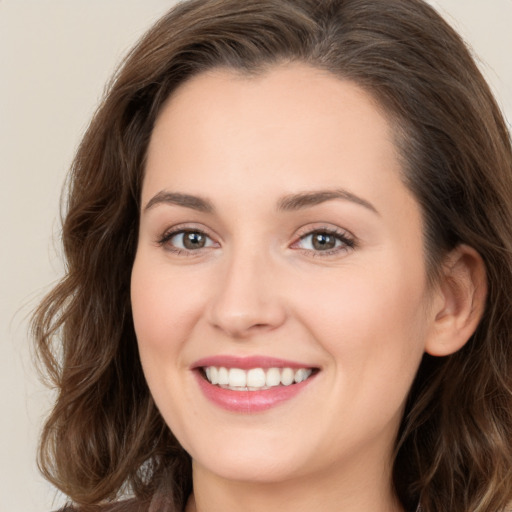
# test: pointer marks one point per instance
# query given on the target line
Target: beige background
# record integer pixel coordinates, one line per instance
(55, 57)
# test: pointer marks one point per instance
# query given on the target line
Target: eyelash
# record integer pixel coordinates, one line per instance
(164, 240)
(348, 242)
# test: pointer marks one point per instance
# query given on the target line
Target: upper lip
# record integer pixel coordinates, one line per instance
(248, 362)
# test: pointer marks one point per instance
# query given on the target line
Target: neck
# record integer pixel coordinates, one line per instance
(358, 490)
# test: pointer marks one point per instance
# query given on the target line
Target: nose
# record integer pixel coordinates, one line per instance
(247, 299)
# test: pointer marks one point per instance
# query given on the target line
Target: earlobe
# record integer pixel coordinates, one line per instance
(461, 295)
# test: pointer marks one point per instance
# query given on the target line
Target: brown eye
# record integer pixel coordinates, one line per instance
(186, 240)
(323, 241)
(193, 240)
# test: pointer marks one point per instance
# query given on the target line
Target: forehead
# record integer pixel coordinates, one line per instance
(290, 128)
(293, 99)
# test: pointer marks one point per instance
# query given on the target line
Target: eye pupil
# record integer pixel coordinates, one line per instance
(193, 240)
(323, 241)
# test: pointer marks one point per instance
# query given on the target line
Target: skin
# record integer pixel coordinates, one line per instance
(363, 315)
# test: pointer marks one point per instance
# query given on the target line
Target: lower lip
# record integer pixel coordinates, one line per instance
(249, 401)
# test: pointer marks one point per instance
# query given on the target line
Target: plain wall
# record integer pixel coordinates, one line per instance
(55, 57)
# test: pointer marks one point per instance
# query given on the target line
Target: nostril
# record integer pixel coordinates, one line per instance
(242, 319)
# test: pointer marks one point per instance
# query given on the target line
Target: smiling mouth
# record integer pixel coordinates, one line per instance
(255, 379)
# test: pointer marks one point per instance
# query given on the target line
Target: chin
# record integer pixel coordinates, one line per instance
(251, 470)
(243, 461)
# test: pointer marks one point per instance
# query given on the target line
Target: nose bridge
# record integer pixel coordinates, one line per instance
(247, 299)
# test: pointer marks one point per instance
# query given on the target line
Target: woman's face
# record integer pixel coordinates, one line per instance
(277, 243)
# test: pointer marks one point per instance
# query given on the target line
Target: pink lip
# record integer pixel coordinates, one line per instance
(246, 363)
(248, 401)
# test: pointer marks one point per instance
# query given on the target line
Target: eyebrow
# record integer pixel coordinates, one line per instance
(186, 200)
(288, 203)
(302, 200)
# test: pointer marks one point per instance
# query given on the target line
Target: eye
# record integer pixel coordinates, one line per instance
(185, 240)
(325, 241)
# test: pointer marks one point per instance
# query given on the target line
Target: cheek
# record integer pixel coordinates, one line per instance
(369, 320)
(161, 310)
(165, 309)
(165, 304)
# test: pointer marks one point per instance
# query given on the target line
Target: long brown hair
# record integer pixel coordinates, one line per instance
(105, 436)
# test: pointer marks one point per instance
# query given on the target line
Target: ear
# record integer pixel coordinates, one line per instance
(459, 301)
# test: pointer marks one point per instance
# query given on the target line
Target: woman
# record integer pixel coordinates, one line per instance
(289, 254)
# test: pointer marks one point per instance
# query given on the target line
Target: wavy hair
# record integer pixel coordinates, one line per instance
(105, 436)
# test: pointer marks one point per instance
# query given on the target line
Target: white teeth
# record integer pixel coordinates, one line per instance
(273, 377)
(287, 376)
(237, 378)
(256, 378)
(301, 375)
(214, 375)
(223, 377)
